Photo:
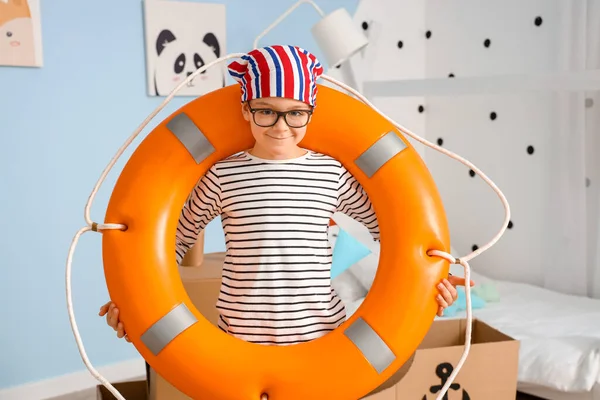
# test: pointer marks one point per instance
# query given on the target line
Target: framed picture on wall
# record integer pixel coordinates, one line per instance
(20, 33)
(180, 38)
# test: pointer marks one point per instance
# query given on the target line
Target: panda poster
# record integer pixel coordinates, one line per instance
(20, 33)
(181, 37)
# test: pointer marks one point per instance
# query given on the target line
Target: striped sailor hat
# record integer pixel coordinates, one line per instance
(278, 71)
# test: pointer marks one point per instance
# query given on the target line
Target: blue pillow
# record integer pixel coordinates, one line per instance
(346, 252)
(461, 303)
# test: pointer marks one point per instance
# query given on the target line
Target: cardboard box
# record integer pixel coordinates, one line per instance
(202, 285)
(489, 373)
(195, 256)
(134, 390)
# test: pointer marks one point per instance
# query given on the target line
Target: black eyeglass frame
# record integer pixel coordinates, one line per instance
(279, 115)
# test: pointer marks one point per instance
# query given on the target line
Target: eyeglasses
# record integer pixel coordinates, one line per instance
(265, 117)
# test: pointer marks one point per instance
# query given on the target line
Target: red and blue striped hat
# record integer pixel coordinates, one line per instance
(278, 71)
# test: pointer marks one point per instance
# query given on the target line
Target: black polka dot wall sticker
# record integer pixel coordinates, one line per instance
(510, 225)
(450, 75)
(530, 150)
(487, 43)
(589, 103)
(428, 34)
(588, 182)
(493, 115)
(365, 25)
(440, 142)
(421, 109)
(538, 21)
(475, 247)
(472, 173)
(400, 44)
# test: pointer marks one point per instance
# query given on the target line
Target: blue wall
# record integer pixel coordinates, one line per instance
(59, 127)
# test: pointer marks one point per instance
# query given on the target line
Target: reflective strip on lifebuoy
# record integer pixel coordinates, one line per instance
(205, 363)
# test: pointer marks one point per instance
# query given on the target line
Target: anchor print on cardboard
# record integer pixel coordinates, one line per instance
(443, 371)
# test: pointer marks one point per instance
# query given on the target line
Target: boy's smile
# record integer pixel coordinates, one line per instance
(278, 138)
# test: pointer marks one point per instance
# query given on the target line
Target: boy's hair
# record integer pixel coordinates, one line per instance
(278, 71)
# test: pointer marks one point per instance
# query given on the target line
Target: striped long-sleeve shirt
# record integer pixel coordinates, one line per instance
(276, 283)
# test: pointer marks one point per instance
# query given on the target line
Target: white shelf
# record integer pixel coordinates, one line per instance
(588, 80)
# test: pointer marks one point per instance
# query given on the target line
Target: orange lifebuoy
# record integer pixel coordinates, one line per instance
(205, 363)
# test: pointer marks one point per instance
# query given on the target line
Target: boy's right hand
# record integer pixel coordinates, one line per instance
(112, 319)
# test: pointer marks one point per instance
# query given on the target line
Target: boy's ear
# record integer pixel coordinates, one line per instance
(246, 111)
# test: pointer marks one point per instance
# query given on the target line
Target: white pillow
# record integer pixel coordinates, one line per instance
(366, 269)
(347, 286)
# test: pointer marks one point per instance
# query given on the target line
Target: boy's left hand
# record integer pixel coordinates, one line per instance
(448, 293)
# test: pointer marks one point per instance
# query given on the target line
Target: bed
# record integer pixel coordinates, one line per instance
(559, 357)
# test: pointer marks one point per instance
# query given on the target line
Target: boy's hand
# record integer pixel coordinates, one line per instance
(448, 293)
(458, 281)
(112, 319)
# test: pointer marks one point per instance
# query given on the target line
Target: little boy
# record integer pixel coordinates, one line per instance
(276, 200)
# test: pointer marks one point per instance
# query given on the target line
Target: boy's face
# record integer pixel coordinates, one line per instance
(279, 139)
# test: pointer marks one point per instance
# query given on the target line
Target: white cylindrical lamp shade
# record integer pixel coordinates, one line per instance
(338, 37)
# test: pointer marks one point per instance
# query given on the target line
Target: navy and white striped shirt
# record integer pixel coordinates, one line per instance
(276, 284)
